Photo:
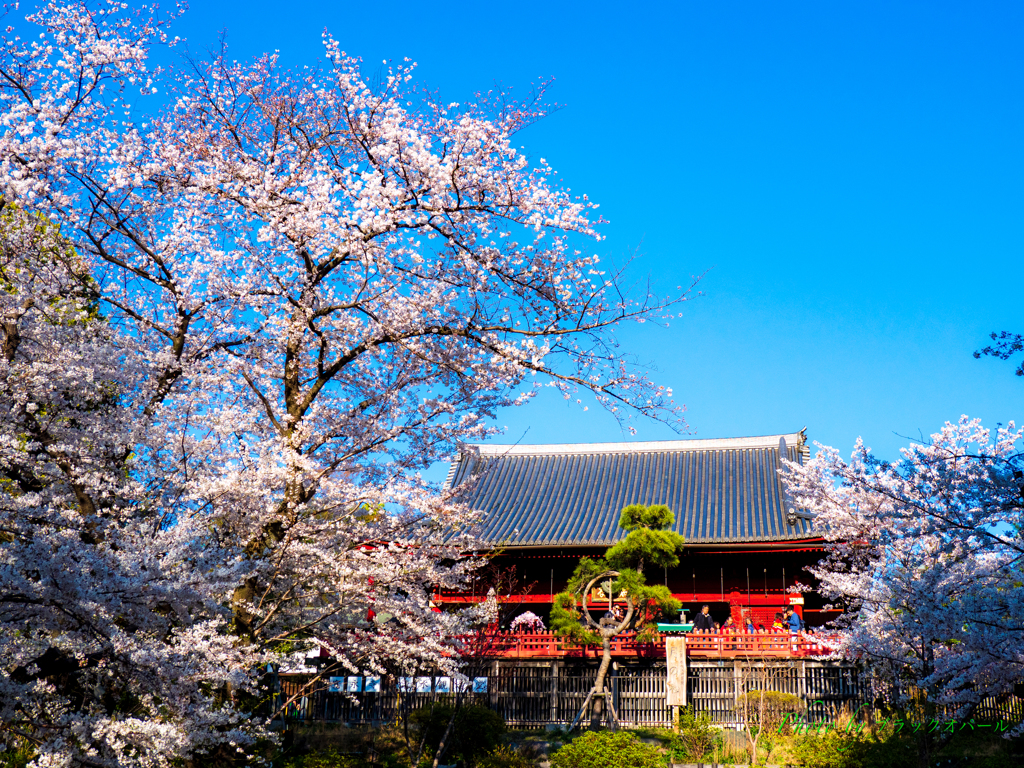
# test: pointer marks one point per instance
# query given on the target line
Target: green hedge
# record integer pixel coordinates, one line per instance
(607, 749)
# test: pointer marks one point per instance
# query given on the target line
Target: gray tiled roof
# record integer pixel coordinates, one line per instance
(571, 495)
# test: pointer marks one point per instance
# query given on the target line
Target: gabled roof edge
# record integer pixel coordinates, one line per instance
(718, 443)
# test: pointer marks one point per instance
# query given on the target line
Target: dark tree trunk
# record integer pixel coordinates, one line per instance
(597, 711)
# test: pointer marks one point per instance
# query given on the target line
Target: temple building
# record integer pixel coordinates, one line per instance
(747, 546)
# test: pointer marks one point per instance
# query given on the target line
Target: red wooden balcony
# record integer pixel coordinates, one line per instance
(524, 645)
(783, 644)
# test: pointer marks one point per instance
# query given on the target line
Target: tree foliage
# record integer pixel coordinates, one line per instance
(925, 557)
(256, 310)
(1006, 346)
(108, 616)
(570, 616)
(647, 543)
(696, 735)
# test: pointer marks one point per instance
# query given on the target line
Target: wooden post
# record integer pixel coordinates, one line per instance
(492, 696)
(737, 683)
(579, 715)
(802, 682)
(556, 671)
(275, 693)
(675, 676)
(613, 715)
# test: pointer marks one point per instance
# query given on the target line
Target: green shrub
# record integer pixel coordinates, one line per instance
(329, 757)
(776, 706)
(607, 749)
(15, 756)
(504, 757)
(832, 749)
(696, 735)
(878, 747)
(477, 731)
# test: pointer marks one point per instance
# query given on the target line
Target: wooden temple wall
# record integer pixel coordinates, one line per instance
(541, 693)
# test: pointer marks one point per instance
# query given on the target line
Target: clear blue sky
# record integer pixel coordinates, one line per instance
(851, 174)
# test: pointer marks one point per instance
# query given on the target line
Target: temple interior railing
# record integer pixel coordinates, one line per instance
(769, 644)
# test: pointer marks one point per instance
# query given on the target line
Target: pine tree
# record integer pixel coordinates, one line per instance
(620, 572)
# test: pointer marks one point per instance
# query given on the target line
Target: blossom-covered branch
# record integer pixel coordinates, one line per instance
(926, 559)
(252, 312)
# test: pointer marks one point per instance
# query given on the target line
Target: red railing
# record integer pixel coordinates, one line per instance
(550, 645)
(770, 644)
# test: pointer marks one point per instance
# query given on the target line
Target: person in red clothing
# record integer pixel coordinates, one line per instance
(729, 628)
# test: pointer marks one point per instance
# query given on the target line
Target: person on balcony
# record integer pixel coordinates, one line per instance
(748, 623)
(704, 622)
(729, 628)
(612, 617)
(762, 643)
(796, 624)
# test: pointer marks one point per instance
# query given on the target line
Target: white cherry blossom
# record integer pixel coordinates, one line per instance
(236, 330)
(925, 559)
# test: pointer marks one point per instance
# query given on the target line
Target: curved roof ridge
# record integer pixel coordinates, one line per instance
(717, 443)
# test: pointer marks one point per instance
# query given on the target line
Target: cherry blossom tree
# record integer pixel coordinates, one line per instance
(278, 297)
(1006, 345)
(107, 615)
(925, 558)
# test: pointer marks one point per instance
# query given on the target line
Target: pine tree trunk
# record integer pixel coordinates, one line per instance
(598, 706)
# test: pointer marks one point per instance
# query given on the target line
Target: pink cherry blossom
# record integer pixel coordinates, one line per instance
(236, 329)
(925, 559)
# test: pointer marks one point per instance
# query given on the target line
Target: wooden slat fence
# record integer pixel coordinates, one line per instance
(522, 695)
(574, 683)
(1009, 709)
(322, 705)
(711, 688)
(639, 696)
(539, 694)
(828, 689)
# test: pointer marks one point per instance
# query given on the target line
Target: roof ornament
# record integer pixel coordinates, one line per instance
(802, 448)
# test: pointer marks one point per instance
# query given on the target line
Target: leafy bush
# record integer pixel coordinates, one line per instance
(607, 749)
(696, 736)
(15, 756)
(832, 749)
(322, 758)
(776, 706)
(504, 757)
(477, 731)
(878, 747)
